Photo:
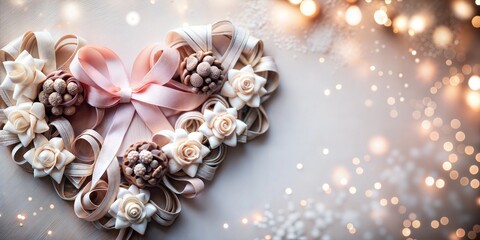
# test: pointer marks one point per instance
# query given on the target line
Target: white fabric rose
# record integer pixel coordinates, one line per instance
(222, 125)
(49, 157)
(185, 151)
(23, 76)
(26, 120)
(244, 87)
(132, 209)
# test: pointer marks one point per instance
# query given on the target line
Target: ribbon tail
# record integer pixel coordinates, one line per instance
(114, 137)
(153, 117)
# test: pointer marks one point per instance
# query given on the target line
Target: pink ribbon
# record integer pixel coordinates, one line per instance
(146, 92)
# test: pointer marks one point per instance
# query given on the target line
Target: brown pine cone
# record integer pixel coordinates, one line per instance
(61, 92)
(144, 164)
(203, 72)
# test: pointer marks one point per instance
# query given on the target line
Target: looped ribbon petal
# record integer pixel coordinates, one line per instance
(242, 50)
(144, 93)
(40, 45)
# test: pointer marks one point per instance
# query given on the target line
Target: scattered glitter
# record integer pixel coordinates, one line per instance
(338, 86)
(326, 92)
(377, 186)
(288, 191)
(244, 220)
(406, 232)
(49, 232)
(460, 233)
(40, 208)
(34, 213)
(474, 82)
(225, 226)
(303, 203)
(52, 206)
(29, 199)
(20, 224)
(321, 60)
(444, 220)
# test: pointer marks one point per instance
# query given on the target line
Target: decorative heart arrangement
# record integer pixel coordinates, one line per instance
(67, 107)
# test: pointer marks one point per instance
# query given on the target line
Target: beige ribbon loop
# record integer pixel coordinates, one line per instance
(212, 100)
(93, 202)
(190, 121)
(8, 138)
(183, 185)
(209, 166)
(168, 207)
(257, 123)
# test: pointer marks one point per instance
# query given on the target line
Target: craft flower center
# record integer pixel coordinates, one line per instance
(19, 73)
(133, 209)
(245, 84)
(189, 150)
(19, 121)
(224, 124)
(46, 156)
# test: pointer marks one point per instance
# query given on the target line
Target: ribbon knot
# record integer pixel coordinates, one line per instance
(125, 95)
(145, 92)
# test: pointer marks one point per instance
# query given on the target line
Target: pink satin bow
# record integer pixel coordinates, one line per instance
(144, 92)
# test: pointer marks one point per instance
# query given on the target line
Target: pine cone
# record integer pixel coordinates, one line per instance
(144, 164)
(203, 72)
(61, 92)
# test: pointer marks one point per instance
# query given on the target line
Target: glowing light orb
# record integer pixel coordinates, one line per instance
(341, 176)
(295, 2)
(418, 23)
(132, 18)
(400, 24)
(474, 82)
(380, 17)
(476, 22)
(378, 145)
(70, 11)
(353, 15)
(309, 8)
(473, 100)
(442, 36)
(462, 9)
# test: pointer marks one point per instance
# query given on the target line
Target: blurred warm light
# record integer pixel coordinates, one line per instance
(353, 15)
(309, 8)
(473, 100)
(295, 2)
(442, 36)
(70, 11)
(476, 22)
(426, 70)
(351, 1)
(380, 17)
(440, 183)
(463, 9)
(429, 181)
(418, 23)
(474, 82)
(378, 145)
(132, 18)
(341, 176)
(400, 24)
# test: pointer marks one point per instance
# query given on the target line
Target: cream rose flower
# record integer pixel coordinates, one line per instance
(23, 76)
(244, 87)
(26, 120)
(185, 151)
(222, 125)
(49, 157)
(132, 209)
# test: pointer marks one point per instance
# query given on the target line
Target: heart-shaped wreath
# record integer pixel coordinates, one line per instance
(210, 81)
